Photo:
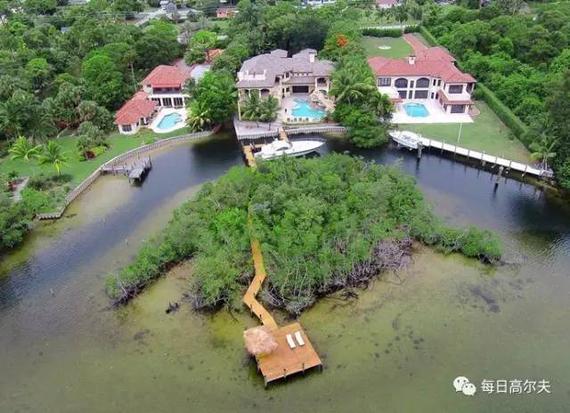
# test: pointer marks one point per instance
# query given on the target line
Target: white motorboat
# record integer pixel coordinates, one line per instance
(405, 138)
(279, 148)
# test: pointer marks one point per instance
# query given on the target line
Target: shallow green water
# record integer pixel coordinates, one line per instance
(396, 348)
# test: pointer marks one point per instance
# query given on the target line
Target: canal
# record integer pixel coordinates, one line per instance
(397, 348)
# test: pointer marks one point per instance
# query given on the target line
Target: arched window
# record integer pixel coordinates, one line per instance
(401, 83)
(422, 82)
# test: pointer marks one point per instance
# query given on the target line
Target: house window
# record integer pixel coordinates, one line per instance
(469, 88)
(411, 84)
(455, 89)
(167, 102)
(410, 94)
(421, 94)
(434, 82)
(384, 81)
(432, 95)
(126, 128)
(422, 82)
(401, 83)
(457, 108)
(439, 82)
(178, 102)
(157, 100)
(402, 94)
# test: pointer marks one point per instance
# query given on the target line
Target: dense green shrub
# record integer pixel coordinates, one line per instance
(428, 36)
(377, 32)
(320, 223)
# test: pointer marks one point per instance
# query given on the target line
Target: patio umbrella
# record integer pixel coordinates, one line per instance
(259, 341)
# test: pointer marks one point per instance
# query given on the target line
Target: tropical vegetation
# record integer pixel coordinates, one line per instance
(324, 224)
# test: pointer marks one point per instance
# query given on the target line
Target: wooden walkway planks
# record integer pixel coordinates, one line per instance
(249, 298)
(485, 158)
(250, 159)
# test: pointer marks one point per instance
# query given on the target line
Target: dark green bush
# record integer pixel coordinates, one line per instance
(319, 221)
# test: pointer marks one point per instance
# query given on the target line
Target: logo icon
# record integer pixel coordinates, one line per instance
(462, 384)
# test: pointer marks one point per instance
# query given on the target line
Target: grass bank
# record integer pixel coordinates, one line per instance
(80, 169)
(398, 47)
(486, 134)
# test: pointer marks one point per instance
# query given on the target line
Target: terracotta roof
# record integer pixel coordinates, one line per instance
(139, 106)
(212, 54)
(434, 62)
(165, 76)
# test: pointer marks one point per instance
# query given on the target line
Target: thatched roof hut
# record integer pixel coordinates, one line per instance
(259, 341)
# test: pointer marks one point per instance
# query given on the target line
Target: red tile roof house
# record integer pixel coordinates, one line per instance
(226, 12)
(431, 75)
(162, 88)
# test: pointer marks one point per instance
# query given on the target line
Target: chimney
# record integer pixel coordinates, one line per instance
(412, 59)
(312, 57)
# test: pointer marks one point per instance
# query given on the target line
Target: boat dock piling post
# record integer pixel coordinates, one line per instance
(420, 149)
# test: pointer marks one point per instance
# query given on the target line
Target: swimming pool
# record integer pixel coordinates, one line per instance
(416, 110)
(303, 109)
(169, 121)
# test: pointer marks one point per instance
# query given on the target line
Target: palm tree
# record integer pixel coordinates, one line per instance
(269, 108)
(53, 154)
(252, 107)
(350, 88)
(23, 149)
(198, 117)
(543, 149)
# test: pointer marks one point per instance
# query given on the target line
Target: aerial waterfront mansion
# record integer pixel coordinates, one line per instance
(429, 76)
(275, 74)
(162, 88)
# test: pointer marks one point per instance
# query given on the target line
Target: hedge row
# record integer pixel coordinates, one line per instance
(501, 110)
(518, 127)
(428, 36)
(378, 32)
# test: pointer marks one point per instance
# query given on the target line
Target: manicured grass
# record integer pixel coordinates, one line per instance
(398, 46)
(486, 134)
(78, 169)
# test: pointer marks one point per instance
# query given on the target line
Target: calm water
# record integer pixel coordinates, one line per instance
(394, 349)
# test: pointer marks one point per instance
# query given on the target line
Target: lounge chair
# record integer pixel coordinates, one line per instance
(290, 341)
(299, 338)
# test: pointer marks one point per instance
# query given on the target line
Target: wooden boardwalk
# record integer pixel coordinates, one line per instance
(249, 158)
(249, 298)
(485, 158)
(284, 361)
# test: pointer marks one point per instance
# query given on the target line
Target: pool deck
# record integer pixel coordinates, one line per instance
(287, 106)
(436, 114)
(164, 112)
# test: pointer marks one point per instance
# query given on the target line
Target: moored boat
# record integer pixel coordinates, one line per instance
(279, 148)
(407, 139)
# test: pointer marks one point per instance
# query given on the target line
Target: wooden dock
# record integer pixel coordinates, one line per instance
(284, 361)
(483, 157)
(135, 171)
(249, 158)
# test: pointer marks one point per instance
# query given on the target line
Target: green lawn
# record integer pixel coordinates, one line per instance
(398, 46)
(486, 134)
(80, 170)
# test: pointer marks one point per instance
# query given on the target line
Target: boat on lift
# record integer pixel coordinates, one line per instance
(406, 138)
(279, 148)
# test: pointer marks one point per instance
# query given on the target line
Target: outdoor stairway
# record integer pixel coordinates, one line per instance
(319, 96)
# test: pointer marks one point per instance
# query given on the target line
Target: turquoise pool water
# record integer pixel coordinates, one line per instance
(169, 121)
(303, 109)
(416, 110)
